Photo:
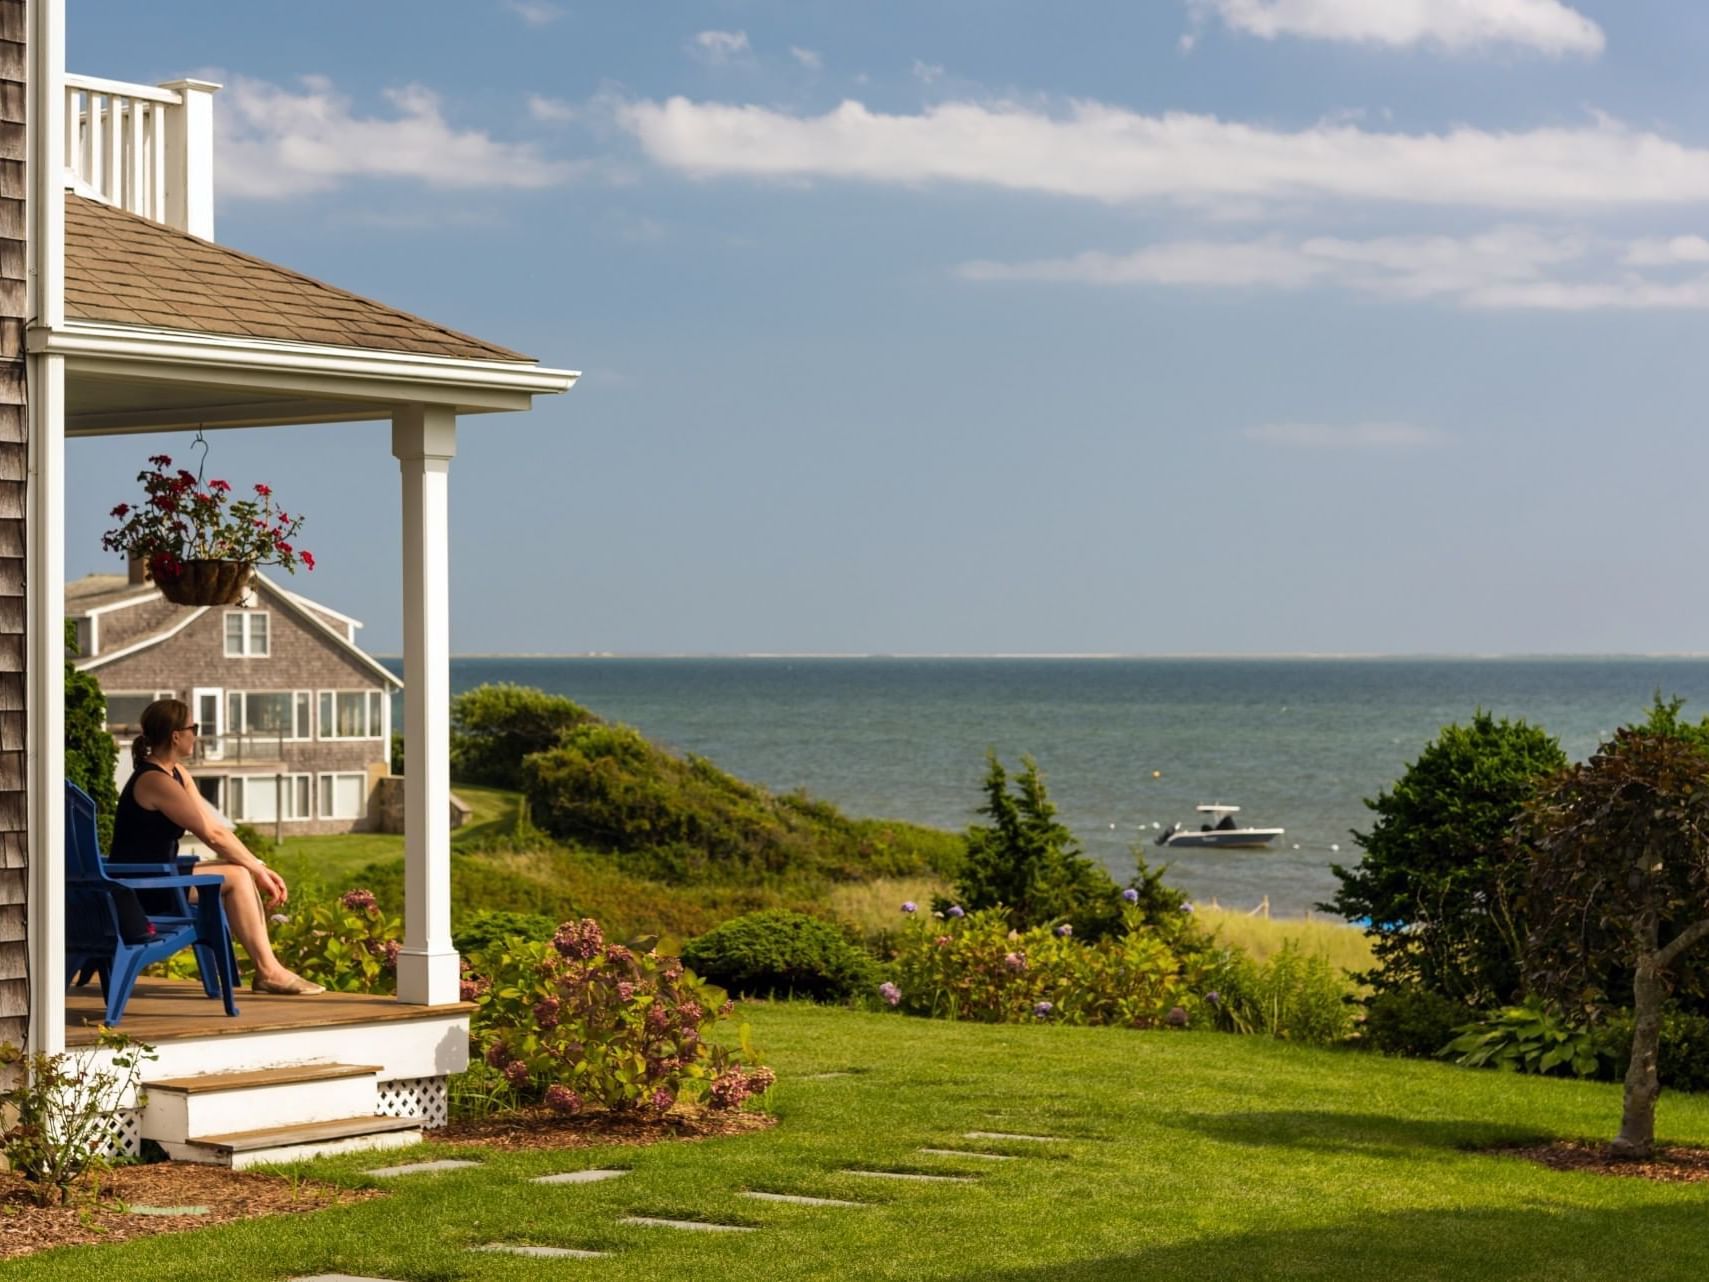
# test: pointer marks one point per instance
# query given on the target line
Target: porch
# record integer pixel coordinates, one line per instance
(288, 1077)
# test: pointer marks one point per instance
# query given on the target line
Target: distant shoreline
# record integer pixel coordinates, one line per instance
(1048, 657)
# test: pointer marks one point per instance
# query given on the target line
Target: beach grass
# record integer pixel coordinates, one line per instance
(870, 908)
(1174, 1157)
(1263, 937)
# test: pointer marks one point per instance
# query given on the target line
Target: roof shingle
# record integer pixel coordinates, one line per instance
(128, 270)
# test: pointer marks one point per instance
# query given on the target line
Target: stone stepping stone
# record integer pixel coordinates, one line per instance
(965, 1152)
(914, 1175)
(822, 1077)
(421, 1168)
(1010, 1135)
(693, 1226)
(166, 1210)
(540, 1252)
(338, 1277)
(579, 1177)
(799, 1199)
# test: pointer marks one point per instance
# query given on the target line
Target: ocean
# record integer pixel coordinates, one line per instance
(1126, 745)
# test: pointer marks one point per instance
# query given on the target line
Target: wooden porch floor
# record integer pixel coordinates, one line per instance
(164, 1010)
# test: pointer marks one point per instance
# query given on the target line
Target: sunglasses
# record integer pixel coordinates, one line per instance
(192, 728)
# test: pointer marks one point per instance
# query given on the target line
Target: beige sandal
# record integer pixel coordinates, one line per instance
(296, 986)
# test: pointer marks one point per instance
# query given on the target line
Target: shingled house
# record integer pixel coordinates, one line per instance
(295, 720)
(121, 313)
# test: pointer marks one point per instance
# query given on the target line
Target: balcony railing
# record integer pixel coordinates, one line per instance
(148, 149)
(240, 749)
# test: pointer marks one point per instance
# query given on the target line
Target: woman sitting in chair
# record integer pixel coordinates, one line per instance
(160, 803)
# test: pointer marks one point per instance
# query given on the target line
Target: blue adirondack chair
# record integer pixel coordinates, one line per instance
(100, 903)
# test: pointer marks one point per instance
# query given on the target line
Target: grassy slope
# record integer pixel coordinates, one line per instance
(494, 865)
(1193, 1157)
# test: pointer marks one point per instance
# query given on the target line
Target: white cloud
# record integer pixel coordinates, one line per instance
(552, 111)
(1109, 154)
(928, 72)
(1353, 436)
(809, 58)
(721, 47)
(1667, 251)
(536, 13)
(1545, 26)
(1506, 268)
(276, 142)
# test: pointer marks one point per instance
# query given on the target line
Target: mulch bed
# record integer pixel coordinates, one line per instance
(97, 1212)
(542, 1128)
(1669, 1165)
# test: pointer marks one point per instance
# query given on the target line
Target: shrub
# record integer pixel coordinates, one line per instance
(977, 968)
(1412, 1021)
(1030, 865)
(1295, 996)
(257, 842)
(90, 753)
(493, 727)
(1528, 1038)
(349, 945)
(1684, 1058)
(781, 954)
(59, 1111)
(1430, 884)
(489, 926)
(576, 1020)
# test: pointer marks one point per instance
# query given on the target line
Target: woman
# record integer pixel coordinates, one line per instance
(160, 803)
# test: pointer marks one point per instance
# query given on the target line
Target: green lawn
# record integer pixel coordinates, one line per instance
(1198, 1157)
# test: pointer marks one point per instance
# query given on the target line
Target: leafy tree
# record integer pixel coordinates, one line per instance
(90, 753)
(493, 727)
(1618, 883)
(1430, 883)
(1029, 864)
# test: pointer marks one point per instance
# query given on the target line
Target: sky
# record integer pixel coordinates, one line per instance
(980, 326)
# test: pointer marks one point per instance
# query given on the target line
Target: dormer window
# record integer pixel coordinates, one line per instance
(246, 635)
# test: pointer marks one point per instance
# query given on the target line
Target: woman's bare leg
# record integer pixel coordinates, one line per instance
(248, 922)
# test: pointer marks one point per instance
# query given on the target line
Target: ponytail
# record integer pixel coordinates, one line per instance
(159, 721)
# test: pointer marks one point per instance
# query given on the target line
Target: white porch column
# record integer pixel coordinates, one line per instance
(424, 437)
(44, 651)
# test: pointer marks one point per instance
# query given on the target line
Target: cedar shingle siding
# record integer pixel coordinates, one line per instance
(14, 872)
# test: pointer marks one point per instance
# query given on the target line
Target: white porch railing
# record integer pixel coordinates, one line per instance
(148, 149)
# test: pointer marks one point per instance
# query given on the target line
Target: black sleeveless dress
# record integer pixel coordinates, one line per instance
(146, 837)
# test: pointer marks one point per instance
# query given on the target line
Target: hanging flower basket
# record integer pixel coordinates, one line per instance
(205, 582)
(199, 544)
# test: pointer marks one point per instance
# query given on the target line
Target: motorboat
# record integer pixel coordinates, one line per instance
(1220, 830)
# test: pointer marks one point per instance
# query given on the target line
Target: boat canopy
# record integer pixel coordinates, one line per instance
(1217, 810)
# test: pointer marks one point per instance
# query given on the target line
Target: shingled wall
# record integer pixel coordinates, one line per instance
(14, 872)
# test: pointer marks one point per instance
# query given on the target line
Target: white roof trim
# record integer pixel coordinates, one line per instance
(300, 599)
(147, 594)
(300, 606)
(147, 343)
(152, 639)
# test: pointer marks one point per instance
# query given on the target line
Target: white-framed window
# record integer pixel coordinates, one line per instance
(352, 714)
(343, 796)
(247, 634)
(257, 799)
(284, 713)
(125, 708)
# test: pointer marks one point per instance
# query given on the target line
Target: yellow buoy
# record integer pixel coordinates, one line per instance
(1156, 774)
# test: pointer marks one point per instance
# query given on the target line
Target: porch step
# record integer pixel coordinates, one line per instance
(240, 1149)
(177, 1108)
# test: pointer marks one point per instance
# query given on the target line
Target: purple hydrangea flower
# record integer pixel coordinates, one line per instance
(1213, 997)
(889, 992)
(955, 911)
(1177, 1017)
(1131, 895)
(1016, 961)
(1064, 931)
(1042, 1010)
(1186, 908)
(910, 907)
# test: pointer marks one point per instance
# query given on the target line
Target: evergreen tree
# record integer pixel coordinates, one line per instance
(90, 753)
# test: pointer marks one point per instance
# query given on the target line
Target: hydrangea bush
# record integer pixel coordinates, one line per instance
(349, 945)
(975, 967)
(578, 1021)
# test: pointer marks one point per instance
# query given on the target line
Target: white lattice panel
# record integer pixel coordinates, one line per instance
(424, 1097)
(122, 1135)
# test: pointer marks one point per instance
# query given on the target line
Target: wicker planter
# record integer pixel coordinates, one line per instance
(207, 583)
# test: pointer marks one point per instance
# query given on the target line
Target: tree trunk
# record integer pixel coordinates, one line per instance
(1637, 1138)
